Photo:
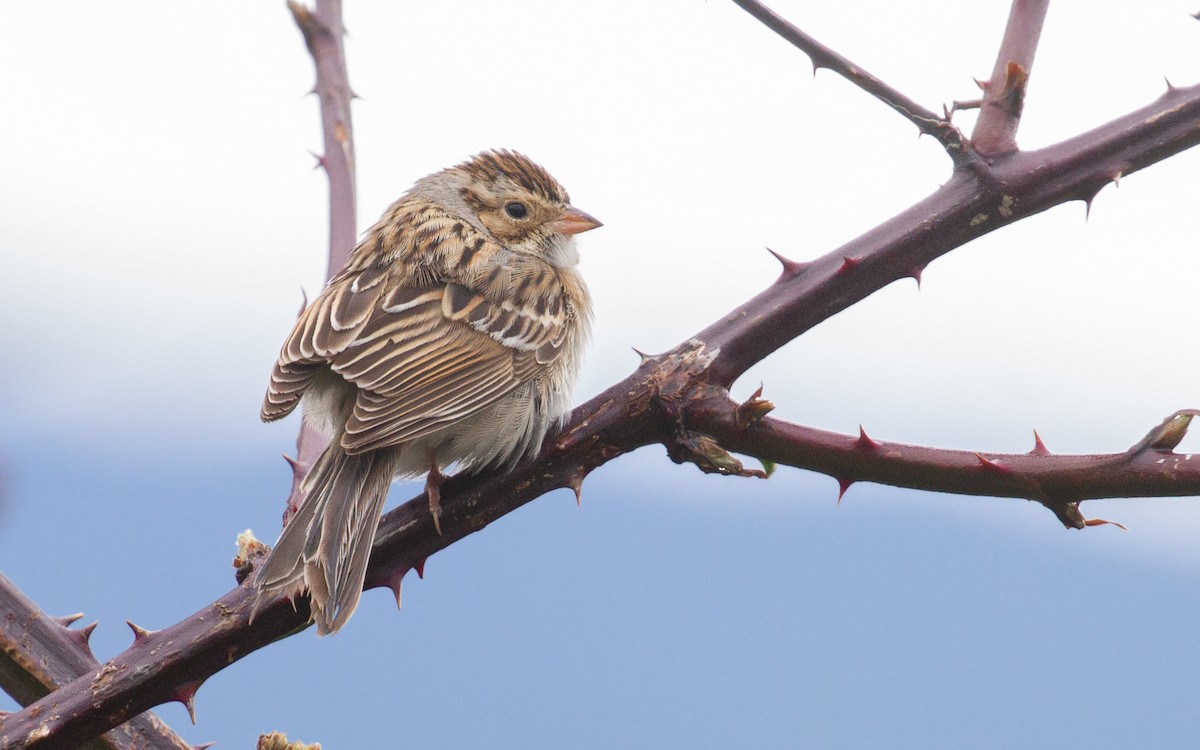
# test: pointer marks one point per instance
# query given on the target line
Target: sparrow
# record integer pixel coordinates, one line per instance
(453, 335)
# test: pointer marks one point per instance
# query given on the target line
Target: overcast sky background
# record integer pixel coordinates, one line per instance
(161, 216)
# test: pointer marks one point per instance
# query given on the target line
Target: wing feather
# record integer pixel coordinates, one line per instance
(422, 357)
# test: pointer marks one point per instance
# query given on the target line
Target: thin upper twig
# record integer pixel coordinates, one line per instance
(1004, 93)
(324, 36)
(926, 120)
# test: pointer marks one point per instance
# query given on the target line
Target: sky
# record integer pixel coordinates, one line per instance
(162, 216)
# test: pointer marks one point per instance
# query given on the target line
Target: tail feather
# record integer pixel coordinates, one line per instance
(325, 546)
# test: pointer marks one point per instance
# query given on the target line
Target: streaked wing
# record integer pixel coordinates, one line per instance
(327, 326)
(422, 356)
(431, 357)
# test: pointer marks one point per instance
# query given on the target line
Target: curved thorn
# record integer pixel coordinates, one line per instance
(420, 568)
(916, 274)
(992, 464)
(395, 582)
(186, 694)
(575, 483)
(86, 632)
(139, 633)
(864, 441)
(1039, 448)
(843, 485)
(790, 267)
(66, 620)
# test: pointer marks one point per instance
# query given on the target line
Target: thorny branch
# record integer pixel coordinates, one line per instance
(324, 36)
(926, 120)
(680, 399)
(41, 653)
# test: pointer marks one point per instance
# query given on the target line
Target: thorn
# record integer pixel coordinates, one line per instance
(394, 583)
(790, 267)
(420, 568)
(433, 484)
(186, 694)
(843, 485)
(1089, 197)
(643, 357)
(983, 85)
(321, 163)
(916, 274)
(864, 442)
(139, 633)
(296, 468)
(1116, 178)
(1104, 522)
(848, 264)
(1170, 86)
(1039, 448)
(205, 746)
(993, 465)
(66, 620)
(576, 485)
(86, 632)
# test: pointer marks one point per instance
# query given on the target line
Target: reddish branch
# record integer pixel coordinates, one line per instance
(680, 399)
(324, 35)
(1004, 93)
(39, 654)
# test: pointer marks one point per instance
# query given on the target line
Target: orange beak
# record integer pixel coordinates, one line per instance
(574, 221)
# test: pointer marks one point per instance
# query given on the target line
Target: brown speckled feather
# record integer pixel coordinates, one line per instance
(452, 335)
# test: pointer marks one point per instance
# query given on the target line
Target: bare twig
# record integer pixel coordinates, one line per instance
(1004, 93)
(927, 121)
(324, 35)
(1060, 482)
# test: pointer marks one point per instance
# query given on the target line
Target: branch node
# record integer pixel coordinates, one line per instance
(708, 455)
(1167, 435)
(753, 409)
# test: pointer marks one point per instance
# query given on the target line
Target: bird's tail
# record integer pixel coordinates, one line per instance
(325, 546)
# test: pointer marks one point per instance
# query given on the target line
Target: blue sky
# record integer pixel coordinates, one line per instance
(162, 217)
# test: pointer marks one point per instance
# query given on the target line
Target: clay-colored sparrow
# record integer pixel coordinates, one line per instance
(453, 335)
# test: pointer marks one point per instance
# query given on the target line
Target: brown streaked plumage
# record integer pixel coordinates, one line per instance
(453, 335)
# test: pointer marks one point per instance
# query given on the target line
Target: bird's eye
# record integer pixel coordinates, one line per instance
(516, 209)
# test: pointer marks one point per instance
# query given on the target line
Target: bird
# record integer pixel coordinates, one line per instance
(452, 336)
